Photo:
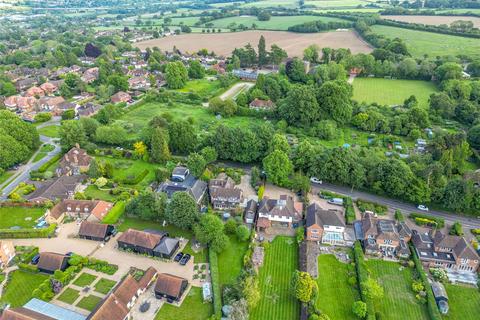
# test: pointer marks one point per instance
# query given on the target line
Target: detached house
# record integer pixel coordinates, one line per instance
(93, 210)
(170, 287)
(259, 104)
(283, 212)
(90, 75)
(50, 103)
(182, 181)
(138, 83)
(60, 188)
(438, 250)
(74, 162)
(121, 97)
(223, 194)
(34, 92)
(49, 88)
(326, 226)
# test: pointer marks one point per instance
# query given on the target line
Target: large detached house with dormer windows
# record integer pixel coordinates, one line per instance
(283, 212)
(325, 226)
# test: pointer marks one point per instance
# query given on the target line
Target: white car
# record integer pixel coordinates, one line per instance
(422, 207)
(315, 180)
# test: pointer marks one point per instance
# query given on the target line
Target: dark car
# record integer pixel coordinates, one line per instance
(178, 257)
(35, 259)
(185, 259)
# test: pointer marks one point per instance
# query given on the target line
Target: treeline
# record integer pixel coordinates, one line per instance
(407, 12)
(318, 26)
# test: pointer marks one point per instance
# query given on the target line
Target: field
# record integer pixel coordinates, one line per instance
(335, 295)
(399, 300)
(432, 44)
(275, 23)
(192, 308)
(434, 20)
(391, 92)
(277, 302)
(19, 217)
(230, 261)
(69, 296)
(271, 3)
(464, 302)
(203, 87)
(19, 289)
(225, 43)
(188, 21)
(337, 4)
(49, 131)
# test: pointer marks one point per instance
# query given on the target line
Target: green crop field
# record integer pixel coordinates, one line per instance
(19, 217)
(20, 287)
(277, 302)
(275, 23)
(392, 92)
(464, 302)
(432, 44)
(230, 260)
(192, 308)
(398, 302)
(335, 295)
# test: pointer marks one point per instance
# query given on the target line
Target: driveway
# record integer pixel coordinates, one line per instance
(274, 192)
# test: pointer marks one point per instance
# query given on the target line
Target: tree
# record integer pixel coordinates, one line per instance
(279, 142)
(176, 75)
(242, 233)
(441, 104)
(196, 163)
(101, 182)
(94, 170)
(118, 81)
(162, 174)
(473, 137)
(209, 154)
(263, 15)
(262, 52)
(114, 135)
(183, 137)
(456, 229)
(210, 231)
(148, 206)
(251, 291)
(239, 310)
(159, 151)
(277, 54)
(311, 54)
(300, 107)
(334, 100)
(449, 70)
(90, 126)
(295, 70)
(372, 289)
(359, 309)
(301, 183)
(196, 70)
(278, 167)
(71, 132)
(226, 108)
(182, 210)
(304, 286)
(68, 114)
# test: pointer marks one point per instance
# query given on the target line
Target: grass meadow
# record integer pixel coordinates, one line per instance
(398, 302)
(335, 295)
(192, 308)
(392, 92)
(277, 301)
(275, 22)
(50, 131)
(20, 287)
(464, 302)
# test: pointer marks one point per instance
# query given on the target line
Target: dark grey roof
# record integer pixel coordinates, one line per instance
(317, 215)
(283, 207)
(59, 188)
(195, 187)
(166, 246)
(251, 209)
(439, 290)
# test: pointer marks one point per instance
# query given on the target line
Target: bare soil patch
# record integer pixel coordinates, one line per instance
(225, 43)
(434, 20)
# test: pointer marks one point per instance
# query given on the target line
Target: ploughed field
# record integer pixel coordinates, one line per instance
(434, 20)
(225, 43)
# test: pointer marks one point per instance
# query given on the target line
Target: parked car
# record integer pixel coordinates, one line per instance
(315, 180)
(185, 259)
(422, 207)
(178, 257)
(35, 259)
(336, 201)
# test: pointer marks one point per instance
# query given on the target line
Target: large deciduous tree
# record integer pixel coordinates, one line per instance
(210, 231)
(300, 107)
(182, 210)
(278, 167)
(304, 286)
(176, 75)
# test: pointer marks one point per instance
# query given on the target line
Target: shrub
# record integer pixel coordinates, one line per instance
(349, 210)
(28, 233)
(475, 232)
(365, 205)
(50, 162)
(115, 213)
(28, 267)
(399, 216)
(230, 226)
(423, 219)
(438, 274)
(456, 229)
(261, 190)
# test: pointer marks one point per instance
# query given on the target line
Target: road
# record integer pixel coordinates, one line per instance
(23, 173)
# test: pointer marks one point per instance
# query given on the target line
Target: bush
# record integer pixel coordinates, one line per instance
(399, 216)
(43, 117)
(115, 213)
(349, 210)
(44, 167)
(475, 232)
(423, 219)
(456, 229)
(28, 233)
(215, 277)
(362, 276)
(364, 205)
(230, 226)
(28, 267)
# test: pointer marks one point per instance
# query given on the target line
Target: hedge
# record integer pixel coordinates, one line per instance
(215, 276)
(44, 167)
(349, 210)
(362, 276)
(28, 267)
(115, 213)
(432, 308)
(423, 218)
(365, 205)
(475, 232)
(28, 233)
(136, 179)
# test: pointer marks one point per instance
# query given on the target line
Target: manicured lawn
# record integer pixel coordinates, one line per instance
(89, 302)
(125, 168)
(104, 285)
(44, 150)
(84, 279)
(19, 217)
(93, 192)
(19, 289)
(399, 302)
(392, 92)
(275, 22)
(192, 308)
(277, 301)
(464, 302)
(432, 44)
(230, 261)
(335, 295)
(69, 296)
(50, 131)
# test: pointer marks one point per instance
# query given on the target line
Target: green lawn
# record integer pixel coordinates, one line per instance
(335, 295)
(5, 176)
(125, 168)
(69, 296)
(84, 279)
(464, 302)
(230, 261)
(399, 302)
(50, 131)
(203, 87)
(104, 285)
(277, 301)
(392, 92)
(192, 308)
(19, 217)
(89, 302)
(20, 287)
(44, 150)
(432, 44)
(93, 192)
(275, 22)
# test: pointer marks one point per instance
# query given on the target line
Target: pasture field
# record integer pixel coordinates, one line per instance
(187, 21)
(331, 4)
(192, 308)
(230, 260)
(277, 302)
(270, 3)
(20, 287)
(398, 302)
(293, 43)
(421, 43)
(335, 295)
(275, 22)
(464, 302)
(392, 92)
(19, 217)
(433, 20)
